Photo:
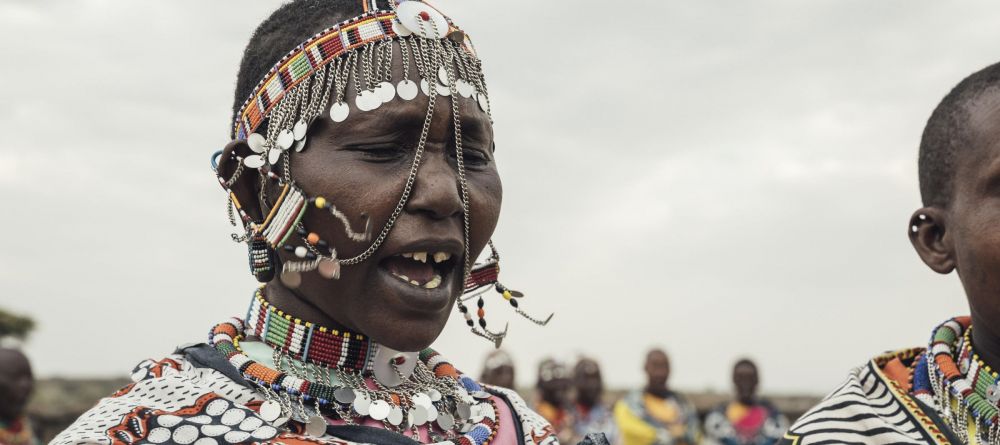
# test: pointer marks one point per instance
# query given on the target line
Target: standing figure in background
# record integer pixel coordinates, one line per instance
(655, 415)
(748, 420)
(590, 414)
(16, 384)
(499, 370)
(553, 396)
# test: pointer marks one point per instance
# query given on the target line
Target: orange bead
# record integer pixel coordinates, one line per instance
(312, 238)
(482, 313)
(395, 399)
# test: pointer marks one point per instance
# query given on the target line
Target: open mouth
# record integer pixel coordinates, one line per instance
(425, 270)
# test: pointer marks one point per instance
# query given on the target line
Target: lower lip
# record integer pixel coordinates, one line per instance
(417, 298)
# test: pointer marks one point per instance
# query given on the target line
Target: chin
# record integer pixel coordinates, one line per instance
(407, 333)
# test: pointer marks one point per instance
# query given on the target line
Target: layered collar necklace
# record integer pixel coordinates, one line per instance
(319, 372)
(954, 379)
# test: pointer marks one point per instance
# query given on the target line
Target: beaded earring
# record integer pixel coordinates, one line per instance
(483, 277)
(262, 259)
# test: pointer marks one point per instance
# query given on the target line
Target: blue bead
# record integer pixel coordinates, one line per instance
(276, 387)
(307, 398)
(324, 402)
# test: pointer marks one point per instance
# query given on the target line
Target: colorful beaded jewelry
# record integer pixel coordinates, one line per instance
(962, 388)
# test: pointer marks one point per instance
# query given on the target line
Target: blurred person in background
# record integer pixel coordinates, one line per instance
(656, 415)
(16, 385)
(553, 396)
(747, 420)
(590, 414)
(498, 370)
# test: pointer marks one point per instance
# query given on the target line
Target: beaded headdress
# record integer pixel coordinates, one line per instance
(312, 82)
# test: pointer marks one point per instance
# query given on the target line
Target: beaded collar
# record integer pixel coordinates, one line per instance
(305, 341)
(952, 377)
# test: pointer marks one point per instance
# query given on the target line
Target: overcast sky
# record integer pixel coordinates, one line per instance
(722, 179)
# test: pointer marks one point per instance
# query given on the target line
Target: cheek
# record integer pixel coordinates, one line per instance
(977, 249)
(485, 198)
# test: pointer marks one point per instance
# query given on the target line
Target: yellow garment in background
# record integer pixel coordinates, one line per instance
(677, 424)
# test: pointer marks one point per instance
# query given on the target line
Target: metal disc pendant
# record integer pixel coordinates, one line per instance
(299, 145)
(300, 129)
(443, 90)
(993, 393)
(443, 76)
(422, 19)
(395, 416)
(434, 394)
(379, 410)
(464, 410)
(368, 101)
(386, 92)
(446, 421)
(270, 411)
(339, 111)
(291, 279)
(362, 404)
(282, 420)
(407, 89)
(419, 415)
(274, 156)
(330, 269)
(390, 363)
(421, 399)
(484, 102)
(254, 161)
(425, 86)
(465, 88)
(256, 142)
(344, 395)
(432, 413)
(399, 29)
(286, 139)
(316, 426)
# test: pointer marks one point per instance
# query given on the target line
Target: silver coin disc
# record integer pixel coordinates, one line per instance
(443, 76)
(399, 29)
(316, 426)
(421, 399)
(379, 410)
(425, 87)
(446, 421)
(484, 102)
(407, 89)
(386, 92)
(388, 373)
(443, 90)
(368, 101)
(344, 395)
(432, 413)
(256, 142)
(339, 111)
(434, 394)
(300, 129)
(270, 411)
(299, 145)
(254, 161)
(465, 88)
(395, 416)
(291, 279)
(362, 405)
(282, 420)
(419, 415)
(410, 14)
(274, 156)
(464, 410)
(286, 139)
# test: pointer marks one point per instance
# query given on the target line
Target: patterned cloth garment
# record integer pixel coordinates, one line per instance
(597, 419)
(644, 419)
(909, 396)
(737, 424)
(18, 432)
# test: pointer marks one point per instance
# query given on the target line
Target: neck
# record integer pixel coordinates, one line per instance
(299, 306)
(985, 341)
(658, 390)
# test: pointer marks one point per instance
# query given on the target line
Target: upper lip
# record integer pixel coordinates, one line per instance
(430, 245)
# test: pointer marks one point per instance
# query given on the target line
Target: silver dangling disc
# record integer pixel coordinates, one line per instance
(446, 421)
(443, 90)
(395, 416)
(477, 414)
(434, 394)
(299, 145)
(362, 404)
(418, 415)
(270, 411)
(421, 399)
(407, 89)
(254, 161)
(339, 111)
(993, 393)
(273, 156)
(411, 15)
(256, 142)
(481, 395)
(286, 139)
(387, 372)
(399, 29)
(432, 413)
(443, 76)
(425, 86)
(367, 101)
(465, 88)
(282, 420)
(386, 92)
(316, 426)
(484, 102)
(344, 395)
(291, 279)
(329, 269)
(379, 410)
(300, 129)
(463, 410)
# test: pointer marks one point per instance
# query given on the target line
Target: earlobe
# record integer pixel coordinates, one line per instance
(930, 238)
(239, 180)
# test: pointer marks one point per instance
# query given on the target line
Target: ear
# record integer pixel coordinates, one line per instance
(931, 239)
(246, 187)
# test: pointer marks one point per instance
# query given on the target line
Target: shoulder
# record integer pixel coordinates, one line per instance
(169, 399)
(868, 407)
(534, 429)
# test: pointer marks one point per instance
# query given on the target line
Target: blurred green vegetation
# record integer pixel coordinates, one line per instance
(16, 326)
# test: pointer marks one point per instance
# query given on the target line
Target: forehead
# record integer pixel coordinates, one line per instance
(977, 163)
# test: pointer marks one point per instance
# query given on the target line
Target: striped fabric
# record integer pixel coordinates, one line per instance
(868, 408)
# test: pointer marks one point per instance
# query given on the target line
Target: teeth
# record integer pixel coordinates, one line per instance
(420, 256)
(403, 277)
(441, 257)
(414, 282)
(407, 255)
(434, 282)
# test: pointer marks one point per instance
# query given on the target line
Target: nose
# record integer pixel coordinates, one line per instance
(436, 191)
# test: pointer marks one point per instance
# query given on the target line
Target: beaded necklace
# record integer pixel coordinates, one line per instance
(963, 388)
(452, 405)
